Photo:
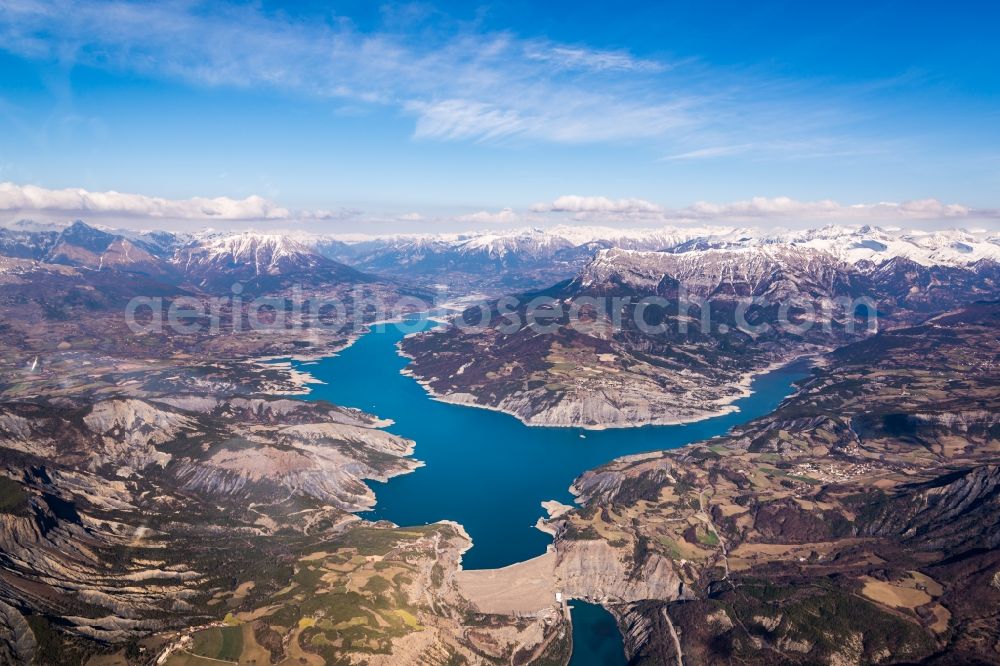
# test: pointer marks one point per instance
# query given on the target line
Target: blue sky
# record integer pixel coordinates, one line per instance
(361, 116)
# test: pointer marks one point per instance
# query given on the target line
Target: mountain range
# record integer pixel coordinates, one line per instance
(490, 261)
(534, 258)
(261, 262)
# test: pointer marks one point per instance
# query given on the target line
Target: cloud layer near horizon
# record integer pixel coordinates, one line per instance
(763, 208)
(33, 200)
(77, 201)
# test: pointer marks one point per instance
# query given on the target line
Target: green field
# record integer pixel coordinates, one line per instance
(223, 643)
(708, 538)
(13, 499)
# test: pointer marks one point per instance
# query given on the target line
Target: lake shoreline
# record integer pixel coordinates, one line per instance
(744, 384)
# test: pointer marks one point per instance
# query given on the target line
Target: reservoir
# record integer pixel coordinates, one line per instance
(487, 470)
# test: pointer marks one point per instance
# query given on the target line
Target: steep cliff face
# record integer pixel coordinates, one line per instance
(650, 635)
(129, 431)
(17, 643)
(271, 411)
(775, 272)
(56, 553)
(956, 510)
(124, 516)
(240, 448)
(621, 400)
(598, 572)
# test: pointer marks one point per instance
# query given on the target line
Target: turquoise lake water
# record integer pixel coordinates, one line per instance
(487, 470)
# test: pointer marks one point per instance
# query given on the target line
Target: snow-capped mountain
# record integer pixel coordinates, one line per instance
(261, 254)
(781, 284)
(769, 271)
(527, 258)
(485, 250)
(492, 261)
(495, 260)
(25, 239)
(954, 247)
(82, 245)
(257, 259)
(210, 261)
(775, 272)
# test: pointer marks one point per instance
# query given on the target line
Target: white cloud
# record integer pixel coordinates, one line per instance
(49, 204)
(568, 57)
(760, 207)
(933, 207)
(323, 214)
(462, 119)
(706, 153)
(486, 217)
(777, 209)
(572, 203)
(31, 198)
(826, 209)
(456, 84)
